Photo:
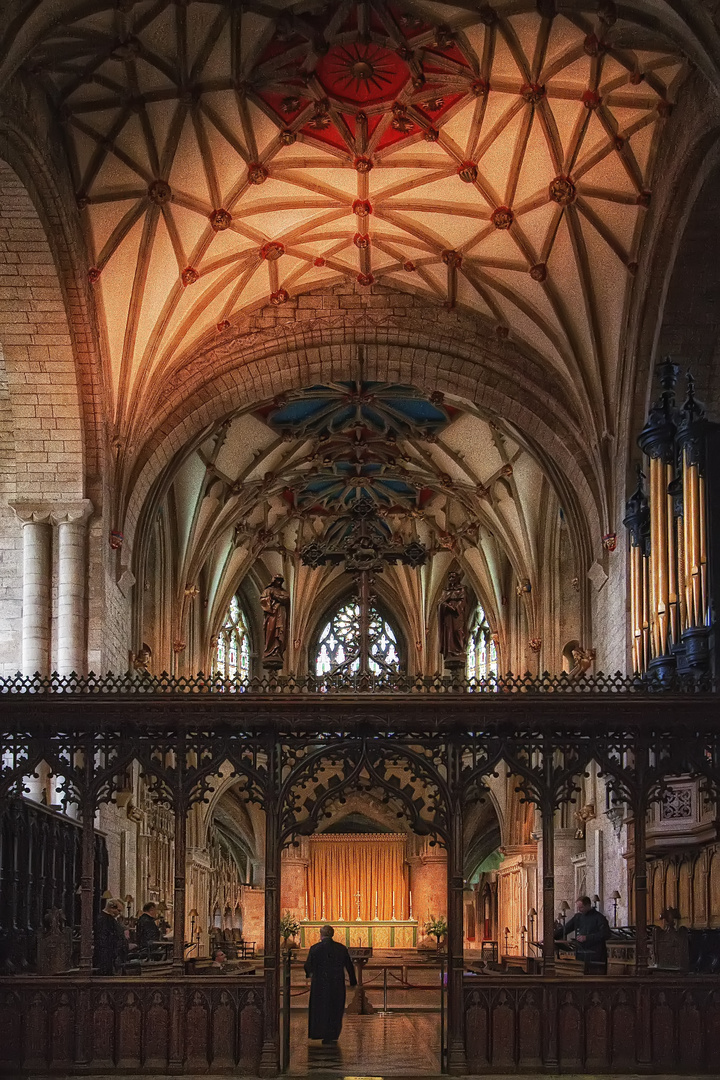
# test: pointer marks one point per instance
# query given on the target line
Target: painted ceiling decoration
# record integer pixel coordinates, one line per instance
(226, 156)
(356, 426)
(435, 483)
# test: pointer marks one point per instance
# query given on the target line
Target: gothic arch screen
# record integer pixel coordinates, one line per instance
(339, 644)
(482, 659)
(232, 653)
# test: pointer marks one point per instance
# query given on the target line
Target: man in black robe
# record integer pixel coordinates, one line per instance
(591, 931)
(147, 932)
(111, 947)
(326, 965)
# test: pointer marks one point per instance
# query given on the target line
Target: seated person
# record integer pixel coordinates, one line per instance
(147, 933)
(591, 930)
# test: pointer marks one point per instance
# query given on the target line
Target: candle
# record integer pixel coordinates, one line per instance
(411, 905)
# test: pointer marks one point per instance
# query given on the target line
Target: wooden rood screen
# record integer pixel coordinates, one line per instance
(523, 1025)
(191, 1025)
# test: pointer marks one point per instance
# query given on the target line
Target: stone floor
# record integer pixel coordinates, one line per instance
(369, 1046)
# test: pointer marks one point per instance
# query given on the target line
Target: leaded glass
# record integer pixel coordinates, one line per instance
(232, 653)
(338, 649)
(482, 660)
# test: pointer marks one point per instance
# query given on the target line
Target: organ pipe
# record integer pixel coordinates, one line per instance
(668, 523)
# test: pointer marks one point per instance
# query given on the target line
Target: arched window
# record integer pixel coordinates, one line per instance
(232, 655)
(482, 661)
(339, 645)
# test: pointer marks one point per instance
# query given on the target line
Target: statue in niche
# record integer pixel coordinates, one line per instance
(275, 602)
(141, 660)
(452, 622)
(583, 662)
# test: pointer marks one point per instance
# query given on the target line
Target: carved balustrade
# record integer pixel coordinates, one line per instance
(186, 1025)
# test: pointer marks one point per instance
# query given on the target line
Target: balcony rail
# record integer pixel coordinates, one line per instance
(139, 683)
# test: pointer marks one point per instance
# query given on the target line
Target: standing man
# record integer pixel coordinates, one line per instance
(591, 930)
(326, 965)
(147, 932)
(111, 947)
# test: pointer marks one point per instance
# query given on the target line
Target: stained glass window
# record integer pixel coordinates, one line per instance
(482, 660)
(232, 655)
(339, 644)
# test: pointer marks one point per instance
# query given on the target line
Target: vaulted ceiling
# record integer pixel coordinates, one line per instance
(269, 482)
(225, 156)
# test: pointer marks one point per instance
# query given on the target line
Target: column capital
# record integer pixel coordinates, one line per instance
(32, 513)
(76, 512)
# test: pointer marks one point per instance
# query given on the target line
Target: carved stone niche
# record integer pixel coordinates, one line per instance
(683, 817)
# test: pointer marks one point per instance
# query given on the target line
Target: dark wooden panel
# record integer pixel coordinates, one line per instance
(197, 1032)
(46, 1024)
(597, 1039)
(103, 1024)
(223, 1041)
(596, 1024)
(530, 1029)
(503, 1031)
(129, 1031)
(251, 1033)
(157, 1029)
(662, 1031)
(570, 1033)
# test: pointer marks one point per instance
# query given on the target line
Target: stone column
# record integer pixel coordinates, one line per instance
(37, 578)
(71, 520)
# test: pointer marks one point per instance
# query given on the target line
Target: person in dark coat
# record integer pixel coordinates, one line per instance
(111, 947)
(326, 965)
(591, 930)
(147, 932)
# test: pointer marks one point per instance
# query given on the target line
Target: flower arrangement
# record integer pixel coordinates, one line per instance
(289, 926)
(437, 927)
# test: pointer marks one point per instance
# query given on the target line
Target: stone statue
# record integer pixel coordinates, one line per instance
(275, 602)
(141, 660)
(452, 621)
(583, 661)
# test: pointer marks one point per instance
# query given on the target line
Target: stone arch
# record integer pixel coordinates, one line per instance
(540, 418)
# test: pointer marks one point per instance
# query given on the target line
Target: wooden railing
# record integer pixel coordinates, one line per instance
(525, 1024)
(189, 1025)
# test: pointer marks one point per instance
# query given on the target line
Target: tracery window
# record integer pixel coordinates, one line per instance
(482, 659)
(232, 655)
(340, 645)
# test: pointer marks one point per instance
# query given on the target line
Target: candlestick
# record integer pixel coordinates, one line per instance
(393, 907)
(411, 905)
(341, 914)
(376, 905)
(358, 897)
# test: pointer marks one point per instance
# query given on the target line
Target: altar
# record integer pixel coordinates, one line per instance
(358, 882)
(377, 934)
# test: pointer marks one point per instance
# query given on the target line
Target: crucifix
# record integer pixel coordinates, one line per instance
(359, 541)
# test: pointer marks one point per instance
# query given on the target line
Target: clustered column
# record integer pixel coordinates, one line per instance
(70, 522)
